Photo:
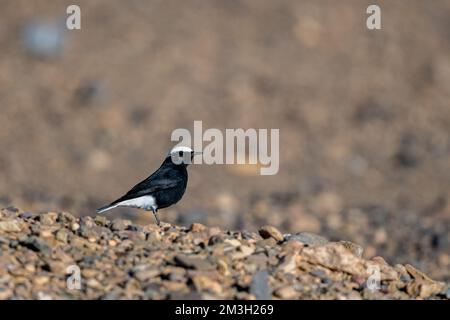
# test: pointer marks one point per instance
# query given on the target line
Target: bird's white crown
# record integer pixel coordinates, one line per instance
(180, 148)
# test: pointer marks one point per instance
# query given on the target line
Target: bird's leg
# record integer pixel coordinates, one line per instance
(156, 216)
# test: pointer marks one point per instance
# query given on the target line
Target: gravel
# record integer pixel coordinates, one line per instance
(41, 253)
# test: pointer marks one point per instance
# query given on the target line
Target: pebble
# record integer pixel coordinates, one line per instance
(357, 250)
(286, 292)
(5, 293)
(62, 235)
(203, 283)
(100, 220)
(36, 244)
(41, 280)
(74, 226)
(289, 263)
(66, 217)
(193, 262)
(271, 232)
(120, 224)
(259, 286)
(197, 227)
(10, 226)
(307, 238)
(119, 260)
(144, 273)
(48, 218)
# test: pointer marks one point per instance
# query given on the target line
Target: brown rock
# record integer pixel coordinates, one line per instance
(242, 252)
(48, 218)
(174, 285)
(5, 293)
(197, 227)
(11, 226)
(222, 267)
(307, 239)
(144, 272)
(203, 283)
(271, 232)
(357, 250)
(100, 220)
(120, 224)
(289, 263)
(417, 274)
(193, 262)
(286, 292)
(62, 235)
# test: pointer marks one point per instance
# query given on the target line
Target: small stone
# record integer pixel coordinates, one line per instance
(174, 286)
(175, 274)
(222, 267)
(30, 268)
(41, 280)
(11, 226)
(214, 231)
(259, 286)
(271, 232)
(193, 262)
(45, 233)
(44, 296)
(66, 217)
(89, 273)
(93, 283)
(48, 218)
(100, 220)
(144, 273)
(5, 293)
(307, 238)
(57, 267)
(233, 242)
(26, 215)
(242, 252)
(286, 292)
(120, 224)
(405, 277)
(417, 274)
(357, 250)
(379, 260)
(74, 226)
(289, 263)
(62, 235)
(197, 227)
(36, 244)
(203, 283)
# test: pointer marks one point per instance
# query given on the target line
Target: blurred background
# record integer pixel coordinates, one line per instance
(364, 116)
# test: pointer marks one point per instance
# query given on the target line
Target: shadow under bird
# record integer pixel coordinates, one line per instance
(163, 188)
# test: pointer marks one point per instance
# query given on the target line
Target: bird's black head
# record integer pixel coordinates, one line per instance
(182, 155)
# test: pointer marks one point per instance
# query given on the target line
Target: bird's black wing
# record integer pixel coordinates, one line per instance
(162, 179)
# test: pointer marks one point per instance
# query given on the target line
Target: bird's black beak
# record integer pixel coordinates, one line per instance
(195, 153)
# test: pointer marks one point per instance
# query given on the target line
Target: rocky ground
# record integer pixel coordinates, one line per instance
(363, 115)
(122, 260)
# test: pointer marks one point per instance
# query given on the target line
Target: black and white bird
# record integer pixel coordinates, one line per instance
(163, 188)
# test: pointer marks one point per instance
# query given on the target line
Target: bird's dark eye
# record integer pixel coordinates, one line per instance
(180, 153)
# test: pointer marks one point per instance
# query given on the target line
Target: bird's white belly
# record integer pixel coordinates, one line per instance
(144, 202)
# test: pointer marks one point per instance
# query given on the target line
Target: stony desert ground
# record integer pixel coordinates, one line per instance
(42, 253)
(363, 115)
